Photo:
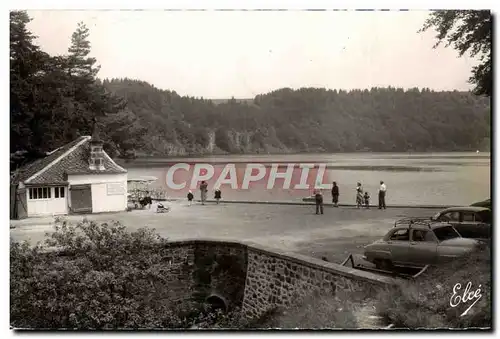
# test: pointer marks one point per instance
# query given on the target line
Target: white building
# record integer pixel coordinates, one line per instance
(76, 178)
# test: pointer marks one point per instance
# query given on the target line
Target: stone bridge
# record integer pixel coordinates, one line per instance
(255, 278)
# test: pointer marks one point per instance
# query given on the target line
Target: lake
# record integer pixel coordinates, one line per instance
(414, 179)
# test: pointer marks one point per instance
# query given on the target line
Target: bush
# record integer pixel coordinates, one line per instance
(426, 303)
(100, 277)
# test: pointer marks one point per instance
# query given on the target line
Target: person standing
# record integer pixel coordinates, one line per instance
(335, 194)
(318, 197)
(359, 195)
(218, 195)
(381, 195)
(203, 191)
(190, 197)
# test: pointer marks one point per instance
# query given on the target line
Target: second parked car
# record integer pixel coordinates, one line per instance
(469, 221)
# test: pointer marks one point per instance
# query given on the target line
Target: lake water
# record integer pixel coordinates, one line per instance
(418, 178)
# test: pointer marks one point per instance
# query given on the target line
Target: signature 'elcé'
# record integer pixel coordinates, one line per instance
(456, 299)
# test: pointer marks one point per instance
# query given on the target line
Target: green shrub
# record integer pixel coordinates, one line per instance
(426, 303)
(100, 277)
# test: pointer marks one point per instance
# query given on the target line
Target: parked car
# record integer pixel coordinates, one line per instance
(417, 243)
(470, 221)
(485, 203)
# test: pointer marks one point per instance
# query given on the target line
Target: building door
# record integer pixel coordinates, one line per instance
(81, 199)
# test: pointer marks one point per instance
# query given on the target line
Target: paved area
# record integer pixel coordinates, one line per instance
(295, 228)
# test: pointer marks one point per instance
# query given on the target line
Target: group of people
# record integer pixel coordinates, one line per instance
(203, 194)
(362, 198)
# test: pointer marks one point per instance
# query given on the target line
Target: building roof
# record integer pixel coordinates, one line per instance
(71, 158)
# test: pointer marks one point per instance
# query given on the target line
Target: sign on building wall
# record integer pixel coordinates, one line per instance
(116, 188)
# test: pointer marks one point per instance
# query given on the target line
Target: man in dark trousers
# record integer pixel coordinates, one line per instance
(318, 197)
(203, 191)
(381, 195)
(335, 194)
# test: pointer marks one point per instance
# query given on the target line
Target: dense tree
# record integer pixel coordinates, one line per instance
(468, 31)
(54, 99)
(27, 70)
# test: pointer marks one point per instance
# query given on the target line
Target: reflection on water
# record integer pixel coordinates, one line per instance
(438, 179)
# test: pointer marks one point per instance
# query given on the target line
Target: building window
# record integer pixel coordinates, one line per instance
(36, 193)
(59, 192)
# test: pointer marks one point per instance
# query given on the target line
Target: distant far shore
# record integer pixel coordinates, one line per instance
(426, 154)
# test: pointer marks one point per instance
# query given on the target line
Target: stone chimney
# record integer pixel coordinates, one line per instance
(96, 161)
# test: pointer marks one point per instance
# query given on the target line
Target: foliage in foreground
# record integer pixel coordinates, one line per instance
(426, 303)
(105, 277)
(467, 31)
(102, 277)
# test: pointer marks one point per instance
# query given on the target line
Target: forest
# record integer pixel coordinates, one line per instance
(308, 120)
(55, 98)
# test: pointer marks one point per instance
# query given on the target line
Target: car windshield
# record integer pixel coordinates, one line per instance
(445, 233)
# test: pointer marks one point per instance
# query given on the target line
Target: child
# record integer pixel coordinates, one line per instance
(366, 198)
(190, 197)
(218, 195)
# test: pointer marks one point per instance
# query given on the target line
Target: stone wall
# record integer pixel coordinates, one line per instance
(180, 260)
(256, 278)
(279, 279)
(220, 270)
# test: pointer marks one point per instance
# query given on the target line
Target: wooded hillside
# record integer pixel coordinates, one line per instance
(308, 120)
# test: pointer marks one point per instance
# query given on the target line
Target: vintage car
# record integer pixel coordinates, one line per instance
(416, 243)
(470, 221)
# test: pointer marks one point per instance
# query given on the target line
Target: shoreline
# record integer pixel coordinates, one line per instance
(426, 154)
(307, 203)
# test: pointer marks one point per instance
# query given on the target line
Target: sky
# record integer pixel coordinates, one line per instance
(223, 54)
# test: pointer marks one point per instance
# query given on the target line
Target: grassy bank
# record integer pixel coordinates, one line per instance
(426, 302)
(322, 310)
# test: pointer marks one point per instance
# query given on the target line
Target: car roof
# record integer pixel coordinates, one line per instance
(465, 209)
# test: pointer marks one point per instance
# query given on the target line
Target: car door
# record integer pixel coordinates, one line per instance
(466, 225)
(398, 244)
(482, 225)
(423, 247)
